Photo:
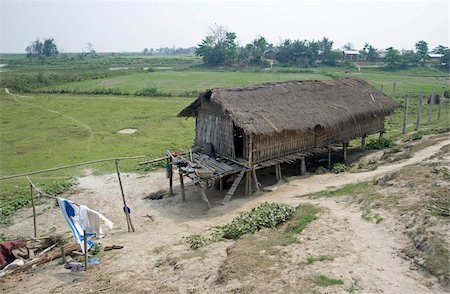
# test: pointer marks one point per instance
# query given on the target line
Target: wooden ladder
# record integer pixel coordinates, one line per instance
(233, 188)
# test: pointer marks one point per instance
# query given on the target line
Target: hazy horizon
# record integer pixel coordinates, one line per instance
(131, 26)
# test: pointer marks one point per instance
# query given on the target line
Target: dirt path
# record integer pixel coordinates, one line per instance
(371, 251)
(78, 122)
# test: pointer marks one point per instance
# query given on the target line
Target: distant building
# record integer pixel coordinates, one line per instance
(435, 55)
(350, 55)
(270, 54)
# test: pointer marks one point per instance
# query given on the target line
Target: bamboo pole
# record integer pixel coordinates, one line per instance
(430, 108)
(170, 175)
(441, 99)
(34, 210)
(68, 166)
(405, 114)
(419, 111)
(127, 213)
(85, 250)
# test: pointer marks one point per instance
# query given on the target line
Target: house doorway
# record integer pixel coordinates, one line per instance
(238, 142)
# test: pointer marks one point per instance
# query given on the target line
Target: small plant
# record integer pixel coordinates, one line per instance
(159, 262)
(380, 144)
(196, 241)
(368, 216)
(312, 259)
(324, 281)
(415, 137)
(339, 168)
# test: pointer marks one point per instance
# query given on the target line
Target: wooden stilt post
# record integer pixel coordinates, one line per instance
(183, 192)
(344, 151)
(85, 250)
(405, 114)
(382, 88)
(256, 180)
(34, 210)
(419, 111)
(302, 166)
(381, 135)
(125, 207)
(221, 184)
(441, 99)
(170, 176)
(430, 108)
(204, 197)
(363, 143)
(329, 159)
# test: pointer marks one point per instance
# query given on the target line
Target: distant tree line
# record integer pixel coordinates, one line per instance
(169, 51)
(220, 48)
(38, 48)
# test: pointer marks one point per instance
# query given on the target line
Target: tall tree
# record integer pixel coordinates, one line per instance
(393, 59)
(422, 50)
(219, 47)
(49, 47)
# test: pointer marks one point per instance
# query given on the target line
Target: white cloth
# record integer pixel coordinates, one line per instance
(90, 220)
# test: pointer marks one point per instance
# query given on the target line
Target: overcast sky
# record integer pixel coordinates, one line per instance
(117, 26)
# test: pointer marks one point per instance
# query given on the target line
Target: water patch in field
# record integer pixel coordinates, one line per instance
(127, 131)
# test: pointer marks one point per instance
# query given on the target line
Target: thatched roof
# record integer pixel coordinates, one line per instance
(297, 105)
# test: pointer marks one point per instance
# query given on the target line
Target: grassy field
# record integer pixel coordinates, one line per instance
(40, 131)
(182, 83)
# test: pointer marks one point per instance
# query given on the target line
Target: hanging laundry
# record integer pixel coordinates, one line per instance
(83, 219)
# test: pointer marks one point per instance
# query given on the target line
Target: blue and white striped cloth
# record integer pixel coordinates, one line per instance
(71, 211)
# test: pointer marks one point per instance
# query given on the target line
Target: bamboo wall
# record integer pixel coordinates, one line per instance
(216, 130)
(267, 147)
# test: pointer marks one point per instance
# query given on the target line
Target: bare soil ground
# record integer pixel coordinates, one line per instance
(346, 242)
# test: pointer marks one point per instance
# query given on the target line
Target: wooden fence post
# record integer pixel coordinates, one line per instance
(419, 111)
(34, 210)
(405, 114)
(441, 98)
(430, 108)
(394, 90)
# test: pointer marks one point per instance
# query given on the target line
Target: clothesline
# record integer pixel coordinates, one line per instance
(42, 192)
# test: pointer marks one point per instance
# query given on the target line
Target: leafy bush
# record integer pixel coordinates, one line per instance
(196, 241)
(339, 168)
(380, 144)
(267, 215)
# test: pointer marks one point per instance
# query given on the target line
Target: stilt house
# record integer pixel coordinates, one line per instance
(264, 125)
(271, 120)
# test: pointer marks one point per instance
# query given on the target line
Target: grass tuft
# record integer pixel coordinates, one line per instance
(324, 281)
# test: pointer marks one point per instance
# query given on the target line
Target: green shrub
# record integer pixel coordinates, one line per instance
(380, 144)
(196, 241)
(339, 168)
(267, 215)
